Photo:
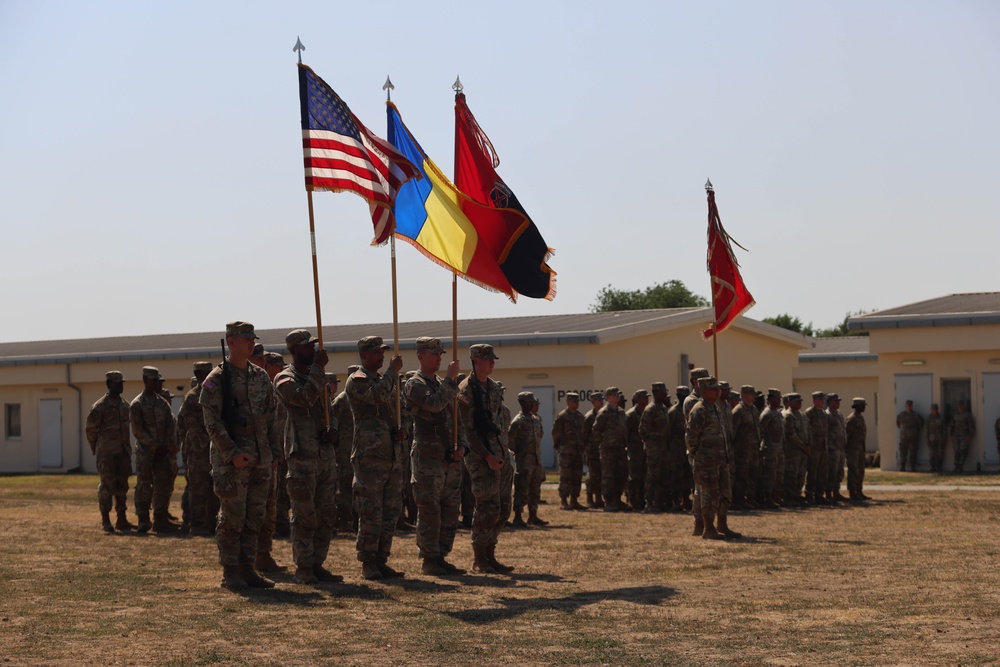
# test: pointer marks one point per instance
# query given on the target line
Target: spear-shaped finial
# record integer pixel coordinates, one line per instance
(457, 86)
(708, 186)
(388, 88)
(299, 48)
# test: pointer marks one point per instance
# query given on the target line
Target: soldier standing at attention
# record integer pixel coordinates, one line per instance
(836, 442)
(480, 406)
(711, 456)
(592, 449)
(963, 429)
(796, 449)
(936, 437)
(689, 402)
(568, 441)
(772, 451)
(378, 468)
(310, 455)
(854, 450)
(636, 452)
(527, 448)
(436, 458)
(679, 475)
(611, 433)
(909, 424)
(197, 464)
(155, 434)
(108, 435)
(237, 401)
(746, 443)
(819, 428)
(274, 363)
(654, 431)
(344, 418)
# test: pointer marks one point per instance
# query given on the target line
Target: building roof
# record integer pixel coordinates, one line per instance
(844, 348)
(506, 331)
(952, 310)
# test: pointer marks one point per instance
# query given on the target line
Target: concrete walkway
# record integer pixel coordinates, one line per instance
(928, 487)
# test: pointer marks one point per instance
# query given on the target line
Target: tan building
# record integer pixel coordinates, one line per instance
(47, 387)
(941, 351)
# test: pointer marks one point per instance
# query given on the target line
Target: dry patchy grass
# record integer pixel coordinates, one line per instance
(909, 580)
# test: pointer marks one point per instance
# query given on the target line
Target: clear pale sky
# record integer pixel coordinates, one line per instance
(151, 174)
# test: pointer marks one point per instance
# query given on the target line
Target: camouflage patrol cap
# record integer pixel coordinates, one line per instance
(774, 393)
(723, 384)
(833, 397)
(857, 400)
(659, 386)
(258, 350)
(240, 329)
(748, 389)
(612, 390)
(794, 396)
(597, 395)
(432, 345)
(572, 396)
(332, 378)
(299, 337)
(482, 351)
(151, 372)
(708, 383)
(203, 366)
(699, 373)
(114, 376)
(683, 389)
(274, 359)
(818, 394)
(369, 343)
(640, 393)
(526, 396)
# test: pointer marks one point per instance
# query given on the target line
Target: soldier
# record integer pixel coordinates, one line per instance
(197, 463)
(689, 402)
(836, 442)
(236, 401)
(156, 448)
(963, 429)
(507, 488)
(378, 468)
(257, 358)
(936, 438)
(310, 454)
(592, 450)
(568, 440)
(796, 449)
(407, 520)
(528, 471)
(276, 512)
(436, 457)
(746, 444)
(654, 430)
(636, 453)
(772, 451)
(108, 435)
(854, 449)
(679, 475)
(344, 418)
(819, 426)
(909, 424)
(711, 455)
(611, 433)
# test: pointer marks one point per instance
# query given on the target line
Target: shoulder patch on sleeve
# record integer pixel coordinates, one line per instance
(464, 398)
(208, 384)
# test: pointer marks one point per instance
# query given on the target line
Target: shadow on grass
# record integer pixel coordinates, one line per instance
(424, 585)
(316, 595)
(514, 607)
(853, 543)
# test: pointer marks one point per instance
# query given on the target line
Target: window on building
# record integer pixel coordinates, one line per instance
(12, 420)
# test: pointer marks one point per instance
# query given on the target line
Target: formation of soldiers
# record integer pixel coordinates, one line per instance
(272, 449)
(961, 428)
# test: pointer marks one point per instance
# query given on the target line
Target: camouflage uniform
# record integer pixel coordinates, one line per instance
(279, 484)
(610, 432)
(746, 444)
(507, 480)
(654, 430)
(796, 452)
(836, 443)
(819, 427)
(568, 439)
(854, 451)
(377, 460)
(528, 470)
(636, 458)
(680, 482)
(311, 461)
(709, 450)
(154, 430)
(345, 425)
(592, 452)
(909, 425)
(436, 476)
(936, 438)
(963, 429)
(251, 430)
(108, 434)
(772, 455)
(202, 503)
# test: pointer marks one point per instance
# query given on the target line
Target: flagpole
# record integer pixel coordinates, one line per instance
(319, 316)
(458, 88)
(395, 325)
(715, 322)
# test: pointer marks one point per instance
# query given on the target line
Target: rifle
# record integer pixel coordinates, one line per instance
(231, 417)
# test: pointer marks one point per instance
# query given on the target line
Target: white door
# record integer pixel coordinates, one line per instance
(50, 433)
(546, 410)
(919, 389)
(990, 412)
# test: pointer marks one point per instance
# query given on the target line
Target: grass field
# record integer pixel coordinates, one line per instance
(910, 579)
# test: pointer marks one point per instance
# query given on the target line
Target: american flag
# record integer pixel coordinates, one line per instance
(341, 154)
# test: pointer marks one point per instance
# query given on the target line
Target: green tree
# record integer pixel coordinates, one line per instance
(786, 321)
(841, 329)
(671, 294)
